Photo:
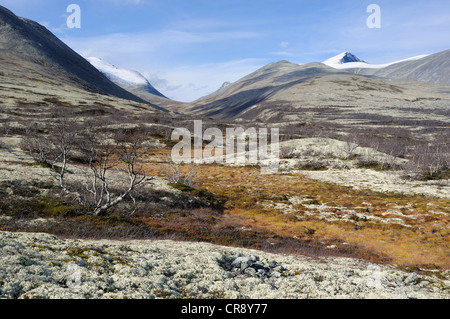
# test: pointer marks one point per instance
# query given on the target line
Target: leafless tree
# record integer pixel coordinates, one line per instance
(179, 174)
(167, 133)
(393, 150)
(63, 140)
(428, 161)
(288, 152)
(351, 144)
(102, 158)
(103, 189)
(38, 147)
(54, 149)
(5, 129)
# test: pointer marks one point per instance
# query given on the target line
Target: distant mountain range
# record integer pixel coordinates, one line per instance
(284, 91)
(279, 91)
(236, 98)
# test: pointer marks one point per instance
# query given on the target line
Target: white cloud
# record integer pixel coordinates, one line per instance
(284, 53)
(179, 76)
(190, 82)
(151, 41)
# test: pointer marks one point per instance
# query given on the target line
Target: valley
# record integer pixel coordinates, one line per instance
(87, 178)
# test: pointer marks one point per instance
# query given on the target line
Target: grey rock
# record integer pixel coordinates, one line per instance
(244, 262)
(258, 265)
(280, 269)
(261, 272)
(250, 271)
(411, 279)
(275, 274)
(241, 262)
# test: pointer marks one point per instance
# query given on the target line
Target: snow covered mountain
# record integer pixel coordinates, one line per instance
(344, 60)
(347, 60)
(127, 79)
(27, 47)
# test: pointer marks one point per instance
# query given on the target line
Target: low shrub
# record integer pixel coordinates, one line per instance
(312, 166)
(374, 165)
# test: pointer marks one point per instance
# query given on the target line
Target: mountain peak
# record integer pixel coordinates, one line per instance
(127, 79)
(343, 58)
(277, 66)
(347, 60)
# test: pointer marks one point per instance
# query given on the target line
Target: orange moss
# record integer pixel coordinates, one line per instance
(249, 196)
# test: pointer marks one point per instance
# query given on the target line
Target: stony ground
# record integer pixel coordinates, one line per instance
(43, 266)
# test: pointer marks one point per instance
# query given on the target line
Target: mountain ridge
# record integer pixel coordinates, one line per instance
(127, 79)
(27, 45)
(433, 68)
(347, 60)
(283, 91)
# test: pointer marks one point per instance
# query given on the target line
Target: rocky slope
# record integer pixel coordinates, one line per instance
(29, 51)
(433, 68)
(43, 266)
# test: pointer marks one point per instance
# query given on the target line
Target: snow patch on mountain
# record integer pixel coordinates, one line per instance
(343, 58)
(132, 81)
(347, 60)
(126, 77)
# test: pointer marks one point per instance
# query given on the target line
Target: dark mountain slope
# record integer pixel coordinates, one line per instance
(434, 68)
(30, 47)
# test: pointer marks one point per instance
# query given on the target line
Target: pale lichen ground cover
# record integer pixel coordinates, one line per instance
(44, 266)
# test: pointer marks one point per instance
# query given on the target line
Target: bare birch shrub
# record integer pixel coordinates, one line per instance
(288, 152)
(103, 189)
(180, 174)
(429, 162)
(102, 158)
(38, 147)
(5, 129)
(55, 149)
(351, 144)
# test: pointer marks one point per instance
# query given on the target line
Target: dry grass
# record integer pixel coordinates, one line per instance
(279, 213)
(406, 230)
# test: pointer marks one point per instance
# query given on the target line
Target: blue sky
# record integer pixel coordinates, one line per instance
(188, 48)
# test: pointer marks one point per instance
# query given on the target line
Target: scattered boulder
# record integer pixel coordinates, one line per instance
(253, 266)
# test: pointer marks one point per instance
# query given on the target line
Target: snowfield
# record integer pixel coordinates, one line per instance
(339, 62)
(123, 76)
(44, 266)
